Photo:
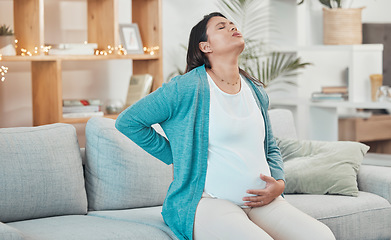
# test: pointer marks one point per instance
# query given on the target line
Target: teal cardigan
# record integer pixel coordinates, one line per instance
(181, 107)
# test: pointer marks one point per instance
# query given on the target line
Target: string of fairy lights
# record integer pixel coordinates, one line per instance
(3, 70)
(44, 50)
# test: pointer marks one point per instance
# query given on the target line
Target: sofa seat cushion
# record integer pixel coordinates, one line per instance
(9, 233)
(77, 227)
(149, 216)
(119, 174)
(364, 217)
(41, 173)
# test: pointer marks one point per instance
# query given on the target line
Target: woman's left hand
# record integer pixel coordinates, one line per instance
(273, 189)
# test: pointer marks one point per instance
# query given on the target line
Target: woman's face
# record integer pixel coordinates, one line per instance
(223, 37)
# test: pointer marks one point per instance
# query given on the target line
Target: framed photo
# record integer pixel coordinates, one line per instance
(139, 87)
(130, 38)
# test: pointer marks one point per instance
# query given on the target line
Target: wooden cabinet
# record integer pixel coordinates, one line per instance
(46, 70)
(374, 131)
(375, 128)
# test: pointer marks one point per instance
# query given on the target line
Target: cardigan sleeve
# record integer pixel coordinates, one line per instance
(273, 154)
(136, 121)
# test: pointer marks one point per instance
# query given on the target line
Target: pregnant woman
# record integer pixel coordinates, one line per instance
(228, 171)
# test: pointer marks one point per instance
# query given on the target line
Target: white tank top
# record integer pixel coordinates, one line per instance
(236, 155)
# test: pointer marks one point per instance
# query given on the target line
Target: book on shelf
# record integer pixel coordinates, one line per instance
(54, 51)
(89, 108)
(320, 96)
(74, 45)
(82, 114)
(335, 89)
(72, 49)
(81, 102)
(81, 108)
(139, 87)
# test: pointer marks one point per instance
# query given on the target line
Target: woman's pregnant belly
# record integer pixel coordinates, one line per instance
(231, 180)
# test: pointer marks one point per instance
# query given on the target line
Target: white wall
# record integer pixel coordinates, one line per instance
(179, 17)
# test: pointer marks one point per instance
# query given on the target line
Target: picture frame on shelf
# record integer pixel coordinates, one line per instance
(139, 87)
(131, 38)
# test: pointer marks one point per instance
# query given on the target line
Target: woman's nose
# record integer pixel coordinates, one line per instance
(233, 29)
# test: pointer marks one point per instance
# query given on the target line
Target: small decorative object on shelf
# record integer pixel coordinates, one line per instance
(7, 41)
(130, 38)
(341, 25)
(383, 94)
(114, 106)
(376, 83)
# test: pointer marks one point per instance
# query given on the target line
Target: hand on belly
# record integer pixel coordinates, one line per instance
(261, 197)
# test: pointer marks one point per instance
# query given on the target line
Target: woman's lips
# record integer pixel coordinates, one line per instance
(236, 34)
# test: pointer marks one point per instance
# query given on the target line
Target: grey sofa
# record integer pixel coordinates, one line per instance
(47, 193)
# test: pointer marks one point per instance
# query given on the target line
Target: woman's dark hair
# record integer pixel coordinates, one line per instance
(195, 57)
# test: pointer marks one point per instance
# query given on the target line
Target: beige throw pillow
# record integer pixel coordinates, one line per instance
(319, 167)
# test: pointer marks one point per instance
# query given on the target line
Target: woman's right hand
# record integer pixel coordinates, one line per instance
(273, 189)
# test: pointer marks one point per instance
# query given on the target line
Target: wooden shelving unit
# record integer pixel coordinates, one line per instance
(46, 71)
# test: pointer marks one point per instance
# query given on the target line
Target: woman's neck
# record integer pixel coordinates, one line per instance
(226, 75)
(226, 70)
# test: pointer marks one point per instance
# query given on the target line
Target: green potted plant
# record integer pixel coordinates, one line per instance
(7, 41)
(341, 26)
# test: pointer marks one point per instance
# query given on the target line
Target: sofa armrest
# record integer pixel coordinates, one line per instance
(377, 159)
(375, 179)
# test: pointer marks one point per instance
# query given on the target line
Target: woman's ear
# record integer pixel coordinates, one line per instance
(205, 47)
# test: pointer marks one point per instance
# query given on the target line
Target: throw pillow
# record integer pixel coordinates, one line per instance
(119, 174)
(320, 167)
(41, 173)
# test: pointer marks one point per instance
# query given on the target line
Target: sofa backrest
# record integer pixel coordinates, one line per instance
(283, 125)
(41, 173)
(119, 174)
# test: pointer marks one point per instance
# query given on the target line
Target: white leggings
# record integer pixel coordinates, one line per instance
(279, 220)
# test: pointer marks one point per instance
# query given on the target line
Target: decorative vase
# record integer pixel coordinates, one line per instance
(114, 106)
(342, 26)
(7, 45)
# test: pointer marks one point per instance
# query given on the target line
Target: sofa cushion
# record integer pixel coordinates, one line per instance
(9, 233)
(321, 167)
(364, 217)
(119, 174)
(149, 216)
(41, 173)
(79, 227)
